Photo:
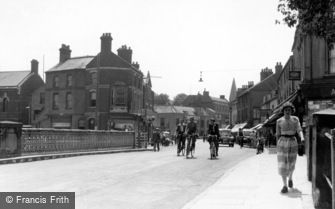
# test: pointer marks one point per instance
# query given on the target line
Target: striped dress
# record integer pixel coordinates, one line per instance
(287, 146)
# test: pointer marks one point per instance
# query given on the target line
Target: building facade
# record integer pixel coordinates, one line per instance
(250, 97)
(16, 89)
(103, 92)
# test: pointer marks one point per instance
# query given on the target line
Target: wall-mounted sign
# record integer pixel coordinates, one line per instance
(294, 75)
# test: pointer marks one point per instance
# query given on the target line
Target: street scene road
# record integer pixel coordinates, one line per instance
(145, 180)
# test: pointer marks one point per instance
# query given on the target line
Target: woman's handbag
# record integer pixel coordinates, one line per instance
(301, 149)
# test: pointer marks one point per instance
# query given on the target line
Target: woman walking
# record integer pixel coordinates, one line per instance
(287, 146)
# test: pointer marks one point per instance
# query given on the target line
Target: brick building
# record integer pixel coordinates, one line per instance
(102, 92)
(16, 89)
(250, 97)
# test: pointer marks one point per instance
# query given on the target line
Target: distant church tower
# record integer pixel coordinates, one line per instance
(232, 95)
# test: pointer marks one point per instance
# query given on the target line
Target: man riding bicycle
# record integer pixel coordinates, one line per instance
(191, 131)
(180, 134)
(213, 134)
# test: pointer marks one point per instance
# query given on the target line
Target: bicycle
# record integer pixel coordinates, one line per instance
(212, 148)
(190, 145)
(181, 146)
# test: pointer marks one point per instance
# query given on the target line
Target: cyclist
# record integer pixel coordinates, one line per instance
(180, 135)
(191, 131)
(213, 134)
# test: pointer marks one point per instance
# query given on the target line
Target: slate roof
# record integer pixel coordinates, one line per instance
(73, 63)
(12, 78)
(183, 109)
(110, 60)
(165, 109)
(269, 83)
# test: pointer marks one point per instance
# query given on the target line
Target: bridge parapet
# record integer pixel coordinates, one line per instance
(35, 140)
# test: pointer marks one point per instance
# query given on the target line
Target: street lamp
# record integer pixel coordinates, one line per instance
(29, 115)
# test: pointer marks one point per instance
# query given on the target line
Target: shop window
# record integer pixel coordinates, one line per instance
(93, 98)
(55, 101)
(68, 100)
(332, 59)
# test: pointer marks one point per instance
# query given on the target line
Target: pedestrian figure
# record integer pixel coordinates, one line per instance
(287, 146)
(240, 136)
(156, 137)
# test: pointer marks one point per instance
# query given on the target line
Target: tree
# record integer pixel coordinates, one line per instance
(161, 99)
(179, 99)
(312, 17)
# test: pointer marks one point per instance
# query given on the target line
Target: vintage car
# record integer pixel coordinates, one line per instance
(226, 137)
(249, 137)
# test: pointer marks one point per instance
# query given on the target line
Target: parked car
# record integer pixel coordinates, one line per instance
(249, 137)
(226, 137)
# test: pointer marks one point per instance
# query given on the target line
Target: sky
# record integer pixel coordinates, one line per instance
(174, 40)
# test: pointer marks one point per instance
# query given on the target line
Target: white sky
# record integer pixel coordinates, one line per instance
(174, 39)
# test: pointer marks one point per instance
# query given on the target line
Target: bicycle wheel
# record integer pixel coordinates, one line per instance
(183, 151)
(188, 146)
(212, 150)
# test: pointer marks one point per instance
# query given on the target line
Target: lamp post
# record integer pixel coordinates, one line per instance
(29, 115)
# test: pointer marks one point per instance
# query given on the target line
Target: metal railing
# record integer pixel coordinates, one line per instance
(36, 140)
(331, 182)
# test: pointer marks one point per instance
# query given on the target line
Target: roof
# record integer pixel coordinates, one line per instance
(269, 83)
(73, 63)
(183, 109)
(12, 78)
(165, 109)
(238, 126)
(219, 99)
(329, 111)
(110, 60)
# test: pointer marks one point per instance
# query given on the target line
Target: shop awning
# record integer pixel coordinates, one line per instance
(277, 111)
(329, 111)
(257, 127)
(238, 126)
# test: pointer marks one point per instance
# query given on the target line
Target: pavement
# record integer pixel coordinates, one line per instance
(256, 184)
(50, 156)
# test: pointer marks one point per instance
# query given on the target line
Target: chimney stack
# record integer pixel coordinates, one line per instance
(136, 65)
(266, 72)
(206, 93)
(34, 66)
(278, 67)
(125, 53)
(64, 53)
(222, 97)
(106, 43)
(250, 84)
